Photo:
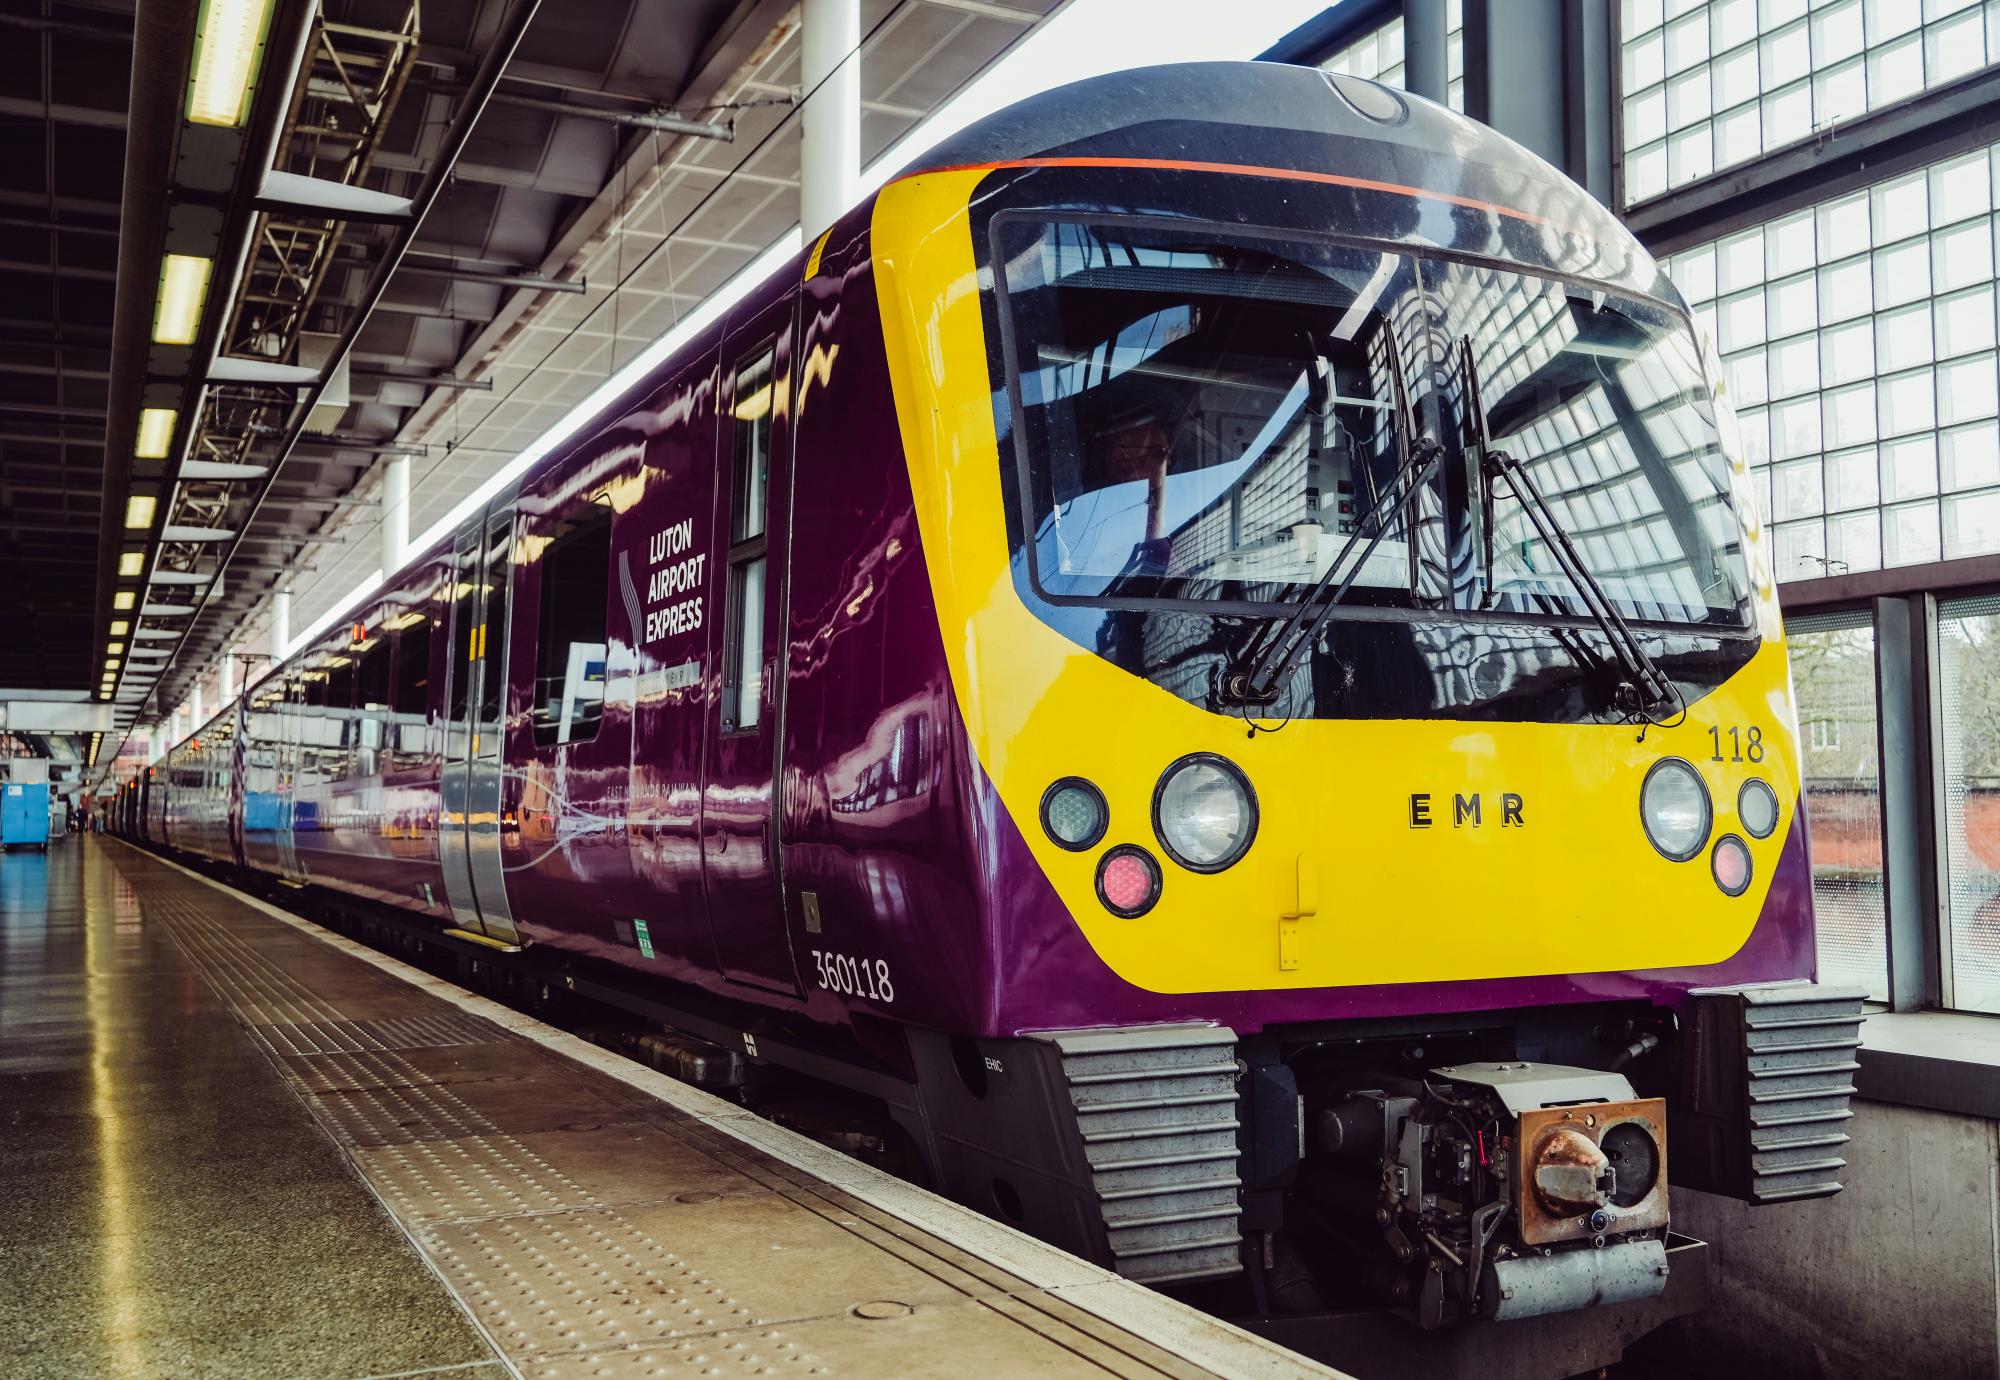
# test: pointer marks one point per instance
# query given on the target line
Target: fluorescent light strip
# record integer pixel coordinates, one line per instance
(1058, 52)
(131, 563)
(226, 47)
(183, 290)
(139, 510)
(122, 599)
(156, 433)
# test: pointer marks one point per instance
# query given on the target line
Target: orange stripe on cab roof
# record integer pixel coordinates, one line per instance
(1253, 170)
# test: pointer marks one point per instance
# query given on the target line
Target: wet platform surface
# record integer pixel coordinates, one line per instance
(234, 1145)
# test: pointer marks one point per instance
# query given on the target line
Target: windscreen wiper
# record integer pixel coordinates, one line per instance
(1255, 679)
(1644, 687)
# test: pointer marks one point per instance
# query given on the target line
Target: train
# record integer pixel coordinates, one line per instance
(1211, 645)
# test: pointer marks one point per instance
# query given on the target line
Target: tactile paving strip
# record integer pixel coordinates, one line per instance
(591, 1236)
(390, 1032)
(579, 1279)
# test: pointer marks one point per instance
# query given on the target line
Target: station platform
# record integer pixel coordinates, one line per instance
(234, 1144)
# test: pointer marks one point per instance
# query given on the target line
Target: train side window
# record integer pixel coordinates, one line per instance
(371, 696)
(570, 632)
(499, 575)
(411, 699)
(340, 681)
(749, 504)
(371, 671)
(464, 590)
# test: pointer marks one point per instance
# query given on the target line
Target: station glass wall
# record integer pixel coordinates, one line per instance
(1709, 84)
(1969, 739)
(1857, 337)
(1833, 672)
(1378, 56)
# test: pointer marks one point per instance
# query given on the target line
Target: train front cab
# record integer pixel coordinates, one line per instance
(1434, 947)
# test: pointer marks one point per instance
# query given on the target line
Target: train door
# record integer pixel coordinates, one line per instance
(569, 763)
(739, 844)
(664, 549)
(292, 706)
(476, 703)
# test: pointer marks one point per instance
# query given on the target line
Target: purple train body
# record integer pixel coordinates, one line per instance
(560, 729)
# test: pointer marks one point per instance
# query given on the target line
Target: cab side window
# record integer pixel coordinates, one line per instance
(749, 500)
(570, 634)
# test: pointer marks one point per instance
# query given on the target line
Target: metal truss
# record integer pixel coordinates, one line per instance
(352, 79)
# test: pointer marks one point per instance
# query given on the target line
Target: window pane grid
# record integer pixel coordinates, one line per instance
(1858, 339)
(1969, 733)
(1716, 83)
(1379, 55)
(1833, 673)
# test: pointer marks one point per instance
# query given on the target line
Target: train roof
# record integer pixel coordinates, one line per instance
(1272, 115)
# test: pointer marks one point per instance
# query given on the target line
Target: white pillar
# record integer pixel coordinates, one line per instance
(830, 135)
(281, 622)
(395, 514)
(226, 669)
(195, 717)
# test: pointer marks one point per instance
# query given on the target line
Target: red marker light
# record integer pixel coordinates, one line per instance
(1128, 881)
(1730, 863)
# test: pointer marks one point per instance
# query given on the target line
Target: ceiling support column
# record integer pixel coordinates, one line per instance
(1426, 49)
(281, 623)
(830, 133)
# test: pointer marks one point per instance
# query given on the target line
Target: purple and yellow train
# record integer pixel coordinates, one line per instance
(1214, 639)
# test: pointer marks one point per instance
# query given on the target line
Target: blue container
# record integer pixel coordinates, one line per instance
(24, 814)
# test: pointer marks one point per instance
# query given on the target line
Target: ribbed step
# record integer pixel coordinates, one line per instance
(1764, 1123)
(1085, 1077)
(1799, 1046)
(1802, 1141)
(1126, 1104)
(1156, 1114)
(1192, 1244)
(1175, 1128)
(1227, 1183)
(1843, 1090)
(1801, 1070)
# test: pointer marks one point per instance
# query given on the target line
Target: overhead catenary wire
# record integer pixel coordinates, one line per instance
(458, 441)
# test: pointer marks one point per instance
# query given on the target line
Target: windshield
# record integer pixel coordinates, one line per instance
(1210, 416)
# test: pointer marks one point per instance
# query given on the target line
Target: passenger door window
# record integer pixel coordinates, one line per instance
(570, 642)
(371, 696)
(749, 499)
(409, 701)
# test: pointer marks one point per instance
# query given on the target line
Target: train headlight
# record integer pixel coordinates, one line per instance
(1731, 864)
(1757, 807)
(1128, 881)
(1074, 813)
(1674, 807)
(1204, 812)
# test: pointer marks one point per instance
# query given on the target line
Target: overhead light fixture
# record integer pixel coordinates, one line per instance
(139, 510)
(111, 663)
(156, 433)
(131, 563)
(114, 648)
(123, 599)
(120, 626)
(183, 289)
(229, 37)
